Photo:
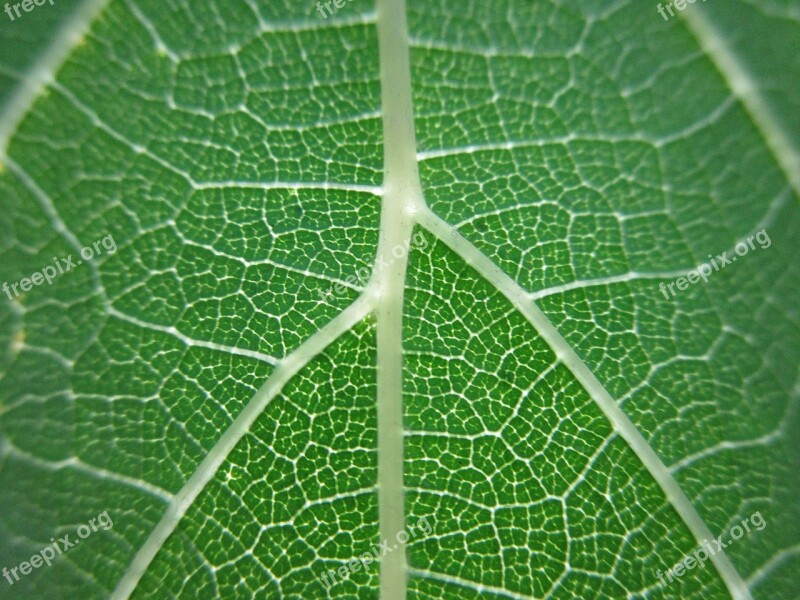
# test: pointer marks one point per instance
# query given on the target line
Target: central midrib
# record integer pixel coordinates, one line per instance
(402, 198)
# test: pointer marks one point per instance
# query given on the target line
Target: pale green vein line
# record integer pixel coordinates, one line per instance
(291, 185)
(76, 464)
(605, 281)
(267, 261)
(48, 207)
(188, 341)
(470, 585)
(95, 119)
(772, 564)
(337, 21)
(716, 47)
(512, 145)
(158, 42)
(283, 372)
(622, 424)
(726, 446)
(44, 69)
(402, 198)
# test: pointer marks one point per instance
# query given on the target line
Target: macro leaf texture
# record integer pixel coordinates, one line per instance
(503, 295)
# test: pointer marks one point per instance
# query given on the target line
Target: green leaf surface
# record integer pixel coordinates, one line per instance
(402, 269)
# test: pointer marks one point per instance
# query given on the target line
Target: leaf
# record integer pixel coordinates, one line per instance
(399, 272)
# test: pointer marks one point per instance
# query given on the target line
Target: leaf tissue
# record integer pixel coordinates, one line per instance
(404, 299)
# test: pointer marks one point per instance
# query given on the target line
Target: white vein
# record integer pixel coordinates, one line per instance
(581, 284)
(191, 342)
(710, 118)
(336, 21)
(295, 185)
(470, 585)
(75, 463)
(724, 446)
(773, 563)
(716, 46)
(43, 71)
